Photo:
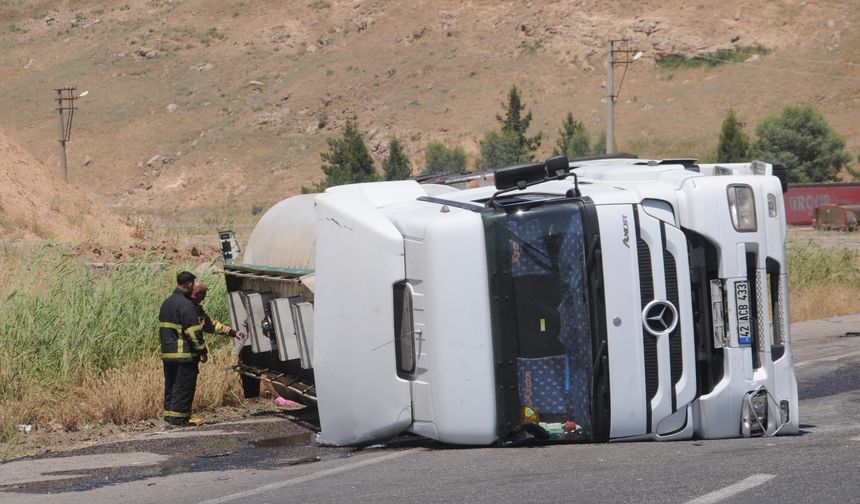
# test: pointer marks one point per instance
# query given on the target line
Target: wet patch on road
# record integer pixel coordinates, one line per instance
(262, 443)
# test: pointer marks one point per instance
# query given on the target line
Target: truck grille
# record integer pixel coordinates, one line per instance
(649, 276)
(676, 361)
(646, 288)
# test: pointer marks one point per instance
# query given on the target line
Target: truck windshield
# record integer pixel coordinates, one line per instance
(546, 322)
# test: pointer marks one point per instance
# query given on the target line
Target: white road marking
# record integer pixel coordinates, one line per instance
(741, 486)
(829, 358)
(308, 477)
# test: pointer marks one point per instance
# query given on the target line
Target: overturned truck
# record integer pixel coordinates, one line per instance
(585, 300)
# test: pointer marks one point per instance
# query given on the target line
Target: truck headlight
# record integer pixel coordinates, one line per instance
(742, 207)
(754, 413)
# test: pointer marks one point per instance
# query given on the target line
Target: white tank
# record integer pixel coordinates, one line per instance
(286, 235)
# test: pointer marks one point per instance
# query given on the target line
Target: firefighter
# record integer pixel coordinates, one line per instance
(182, 348)
(210, 327)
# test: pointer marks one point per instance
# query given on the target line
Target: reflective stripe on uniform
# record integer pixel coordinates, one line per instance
(179, 354)
(176, 414)
(191, 330)
(219, 327)
(176, 355)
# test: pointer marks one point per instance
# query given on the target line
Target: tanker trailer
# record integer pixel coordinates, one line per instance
(592, 300)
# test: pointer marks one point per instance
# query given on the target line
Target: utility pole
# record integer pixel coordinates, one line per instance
(610, 99)
(65, 102)
(618, 54)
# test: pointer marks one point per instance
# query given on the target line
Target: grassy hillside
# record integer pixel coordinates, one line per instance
(239, 97)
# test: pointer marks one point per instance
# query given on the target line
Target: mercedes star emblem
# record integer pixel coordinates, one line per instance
(660, 317)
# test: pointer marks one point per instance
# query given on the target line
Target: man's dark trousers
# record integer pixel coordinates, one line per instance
(180, 382)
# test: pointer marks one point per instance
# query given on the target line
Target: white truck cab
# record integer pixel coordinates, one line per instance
(592, 300)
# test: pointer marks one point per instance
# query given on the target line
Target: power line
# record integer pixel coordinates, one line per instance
(787, 70)
(813, 60)
(820, 3)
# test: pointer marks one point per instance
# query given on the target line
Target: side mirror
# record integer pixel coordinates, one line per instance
(229, 246)
(520, 176)
(557, 167)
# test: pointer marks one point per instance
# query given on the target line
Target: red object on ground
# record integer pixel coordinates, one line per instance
(280, 401)
(801, 200)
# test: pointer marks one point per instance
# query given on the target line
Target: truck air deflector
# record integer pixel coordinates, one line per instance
(455, 351)
(359, 257)
(543, 331)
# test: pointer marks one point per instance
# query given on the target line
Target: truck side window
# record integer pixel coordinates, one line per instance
(404, 329)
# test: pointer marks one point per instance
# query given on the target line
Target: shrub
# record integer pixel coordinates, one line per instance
(720, 56)
(801, 139)
(396, 165)
(734, 144)
(573, 140)
(440, 159)
(348, 161)
(501, 149)
(515, 124)
(599, 146)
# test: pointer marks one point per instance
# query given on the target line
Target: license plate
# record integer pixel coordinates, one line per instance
(742, 304)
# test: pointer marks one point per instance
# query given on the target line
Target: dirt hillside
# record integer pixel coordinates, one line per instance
(36, 204)
(200, 107)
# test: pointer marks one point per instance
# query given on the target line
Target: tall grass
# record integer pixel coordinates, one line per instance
(811, 264)
(80, 345)
(823, 281)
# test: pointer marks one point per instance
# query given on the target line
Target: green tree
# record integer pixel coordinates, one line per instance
(347, 161)
(514, 122)
(573, 139)
(734, 145)
(801, 139)
(396, 166)
(441, 159)
(501, 149)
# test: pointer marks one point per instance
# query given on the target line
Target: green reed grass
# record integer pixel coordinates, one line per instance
(813, 264)
(63, 321)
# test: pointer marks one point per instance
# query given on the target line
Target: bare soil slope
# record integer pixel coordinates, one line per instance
(237, 99)
(35, 203)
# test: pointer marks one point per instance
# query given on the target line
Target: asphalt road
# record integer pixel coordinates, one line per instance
(270, 459)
